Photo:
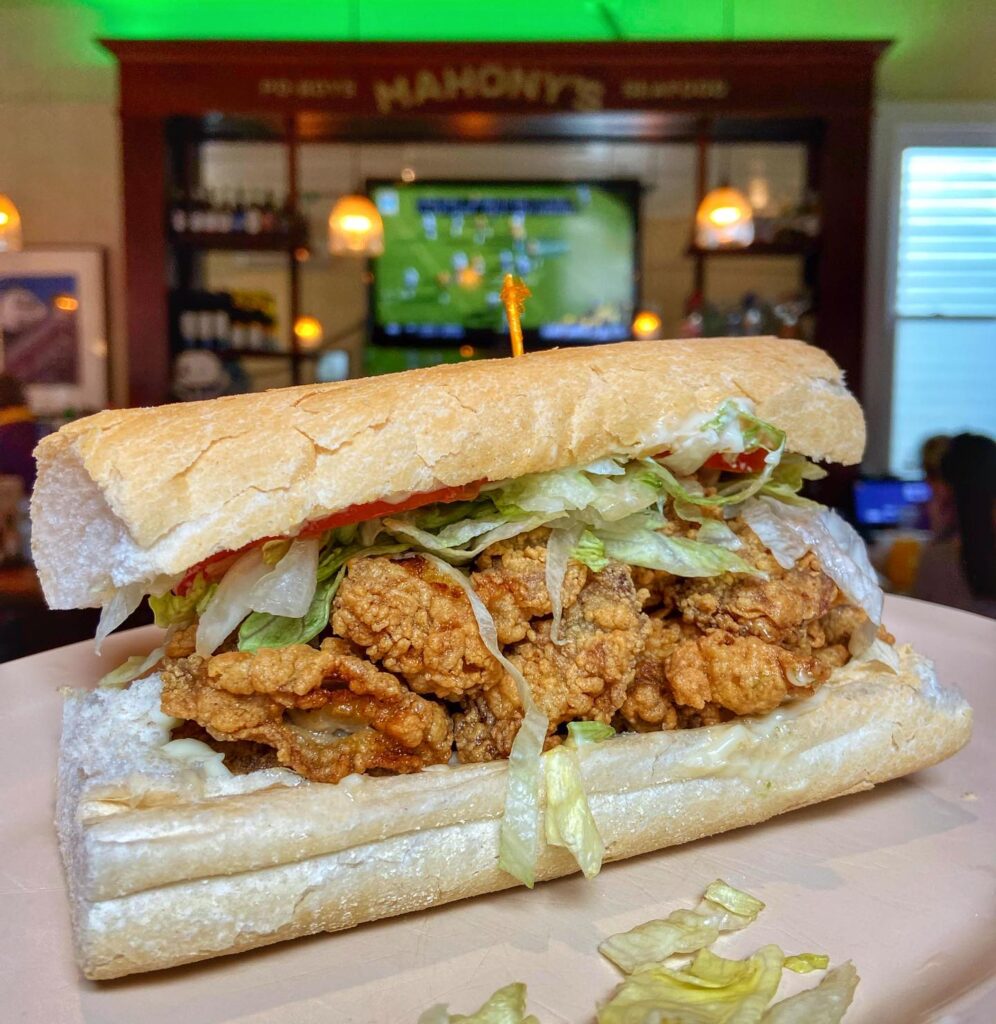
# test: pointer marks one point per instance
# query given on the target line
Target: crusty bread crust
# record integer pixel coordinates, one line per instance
(161, 875)
(129, 495)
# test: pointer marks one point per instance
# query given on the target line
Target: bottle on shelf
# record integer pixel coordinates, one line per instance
(224, 213)
(239, 213)
(178, 213)
(239, 331)
(286, 220)
(254, 216)
(187, 323)
(268, 215)
(256, 338)
(199, 219)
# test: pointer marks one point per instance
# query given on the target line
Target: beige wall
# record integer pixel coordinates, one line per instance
(59, 140)
(59, 143)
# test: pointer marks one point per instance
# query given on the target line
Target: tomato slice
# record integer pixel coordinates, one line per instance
(373, 509)
(744, 462)
(217, 565)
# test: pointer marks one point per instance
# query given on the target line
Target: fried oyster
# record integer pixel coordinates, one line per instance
(402, 678)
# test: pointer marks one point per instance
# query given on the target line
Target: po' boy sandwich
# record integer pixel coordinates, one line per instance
(435, 634)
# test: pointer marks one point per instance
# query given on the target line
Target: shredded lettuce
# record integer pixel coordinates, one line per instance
(703, 989)
(549, 494)
(452, 541)
(558, 553)
(288, 588)
(825, 1004)
(734, 900)
(712, 990)
(805, 963)
(172, 609)
(506, 1006)
(262, 629)
(682, 931)
(121, 604)
(732, 429)
(580, 734)
(788, 477)
(788, 532)
(711, 531)
(569, 821)
(590, 551)
(677, 555)
(732, 493)
(131, 668)
(520, 840)
(231, 602)
(865, 646)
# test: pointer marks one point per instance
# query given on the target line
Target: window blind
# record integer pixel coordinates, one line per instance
(945, 330)
(947, 233)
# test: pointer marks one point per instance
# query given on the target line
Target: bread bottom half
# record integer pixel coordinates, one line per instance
(169, 863)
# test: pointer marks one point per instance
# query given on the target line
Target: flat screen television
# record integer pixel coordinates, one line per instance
(449, 244)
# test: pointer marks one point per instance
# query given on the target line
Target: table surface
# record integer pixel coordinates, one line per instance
(901, 880)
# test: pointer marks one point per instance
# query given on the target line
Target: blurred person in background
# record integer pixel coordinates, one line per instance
(940, 510)
(19, 433)
(958, 566)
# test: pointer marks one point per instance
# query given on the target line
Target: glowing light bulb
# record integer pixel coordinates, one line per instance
(724, 220)
(724, 215)
(66, 303)
(356, 222)
(355, 228)
(309, 331)
(10, 226)
(646, 325)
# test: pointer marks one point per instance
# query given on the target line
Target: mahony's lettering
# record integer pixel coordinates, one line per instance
(489, 82)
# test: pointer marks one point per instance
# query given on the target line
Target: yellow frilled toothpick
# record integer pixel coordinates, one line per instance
(513, 296)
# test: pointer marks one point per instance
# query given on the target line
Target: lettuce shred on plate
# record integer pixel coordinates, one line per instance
(672, 976)
(528, 619)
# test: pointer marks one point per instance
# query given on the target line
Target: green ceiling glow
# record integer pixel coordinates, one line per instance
(502, 20)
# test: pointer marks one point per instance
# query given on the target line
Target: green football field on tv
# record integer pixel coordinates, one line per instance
(448, 246)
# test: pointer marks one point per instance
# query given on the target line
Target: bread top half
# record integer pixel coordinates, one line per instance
(126, 496)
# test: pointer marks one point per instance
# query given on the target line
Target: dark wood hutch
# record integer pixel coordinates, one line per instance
(817, 93)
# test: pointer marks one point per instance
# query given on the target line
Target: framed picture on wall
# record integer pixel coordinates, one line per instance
(53, 327)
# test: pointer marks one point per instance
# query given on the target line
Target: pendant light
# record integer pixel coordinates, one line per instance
(309, 332)
(355, 225)
(724, 220)
(647, 325)
(11, 239)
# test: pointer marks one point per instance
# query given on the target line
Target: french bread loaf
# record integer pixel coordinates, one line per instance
(167, 865)
(126, 496)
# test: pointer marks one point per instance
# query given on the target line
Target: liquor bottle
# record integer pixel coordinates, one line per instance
(256, 336)
(270, 342)
(198, 219)
(187, 322)
(286, 219)
(239, 329)
(224, 214)
(239, 212)
(254, 216)
(215, 217)
(178, 218)
(223, 321)
(268, 223)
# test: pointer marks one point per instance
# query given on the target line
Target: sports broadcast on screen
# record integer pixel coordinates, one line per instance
(449, 245)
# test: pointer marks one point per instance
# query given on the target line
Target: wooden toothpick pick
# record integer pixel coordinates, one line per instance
(513, 296)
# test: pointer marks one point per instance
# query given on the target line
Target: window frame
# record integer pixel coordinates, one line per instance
(898, 126)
